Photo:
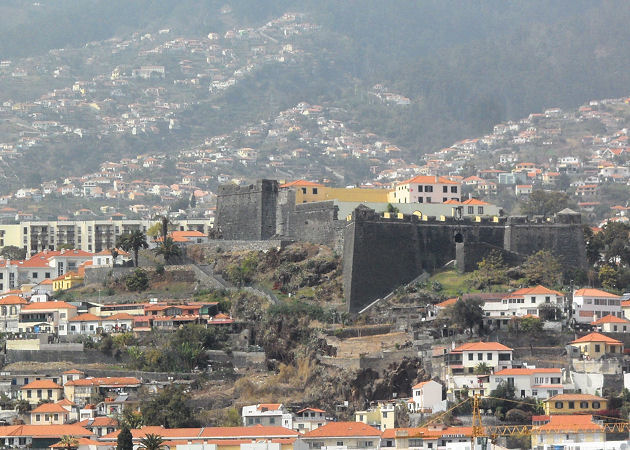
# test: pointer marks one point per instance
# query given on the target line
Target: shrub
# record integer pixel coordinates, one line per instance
(138, 281)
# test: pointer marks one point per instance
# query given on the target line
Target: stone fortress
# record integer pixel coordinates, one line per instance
(384, 251)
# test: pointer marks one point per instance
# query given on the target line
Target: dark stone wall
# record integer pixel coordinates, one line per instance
(381, 254)
(313, 222)
(247, 212)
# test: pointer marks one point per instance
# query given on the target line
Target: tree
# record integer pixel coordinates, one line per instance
(125, 439)
(114, 253)
(542, 268)
(168, 249)
(607, 276)
(531, 325)
(168, 408)
(152, 442)
(130, 418)
(482, 369)
(138, 281)
(154, 230)
(543, 203)
(22, 406)
(232, 418)
(468, 314)
(392, 209)
(490, 270)
(69, 442)
(13, 252)
(133, 241)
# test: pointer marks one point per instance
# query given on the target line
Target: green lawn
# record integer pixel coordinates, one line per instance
(454, 283)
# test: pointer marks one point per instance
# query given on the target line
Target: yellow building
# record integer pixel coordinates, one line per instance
(41, 390)
(382, 416)
(67, 281)
(305, 191)
(561, 429)
(367, 195)
(308, 191)
(574, 404)
(596, 345)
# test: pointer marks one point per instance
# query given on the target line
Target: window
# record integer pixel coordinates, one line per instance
(571, 405)
(428, 199)
(470, 356)
(480, 209)
(547, 299)
(444, 199)
(314, 190)
(47, 275)
(39, 393)
(34, 275)
(49, 393)
(303, 190)
(28, 393)
(419, 188)
(454, 189)
(597, 348)
(559, 405)
(420, 200)
(596, 405)
(339, 443)
(583, 405)
(428, 189)
(415, 443)
(471, 210)
(272, 420)
(37, 418)
(533, 300)
(489, 356)
(479, 356)
(384, 414)
(534, 393)
(615, 327)
(445, 189)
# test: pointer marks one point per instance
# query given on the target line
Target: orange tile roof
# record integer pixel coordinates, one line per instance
(99, 422)
(44, 431)
(590, 292)
(427, 432)
(343, 429)
(427, 179)
(597, 337)
(104, 381)
(49, 408)
(269, 406)
(41, 384)
(83, 442)
(229, 433)
(311, 409)
(119, 316)
(569, 422)
(419, 385)
(301, 183)
(12, 300)
(537, 290)
(74, 371)
(47, 306)
(610, 319)
(446, 303)
(477, 346)
(86, 317)
(575, 397)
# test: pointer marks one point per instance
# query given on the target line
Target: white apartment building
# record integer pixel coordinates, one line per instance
(309, 419)
(522, 302)
(590, 305)
(426, 189)
(267, 414)
(87, 235)
(540, 383)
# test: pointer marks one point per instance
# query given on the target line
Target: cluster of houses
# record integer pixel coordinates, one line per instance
(41, 315)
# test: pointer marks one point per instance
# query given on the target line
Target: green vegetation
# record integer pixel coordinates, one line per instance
(169, 408)
(125, 439)
(138, 281)
(543, 203)
(133, 241)
(491, 270)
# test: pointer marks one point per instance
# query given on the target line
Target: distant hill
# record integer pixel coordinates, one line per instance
(463, 66)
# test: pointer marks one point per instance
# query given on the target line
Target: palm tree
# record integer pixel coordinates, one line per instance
(482, 369)
(152, 442)
(168, 249)
(69, 442)
(133, 241)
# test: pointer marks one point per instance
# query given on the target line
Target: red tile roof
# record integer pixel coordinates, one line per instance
(481, 346)
(610, 319)
(570, 422)
(597, 337)
(47, 306)
(41, 384)
(590, 292)
(44, 431)
(343, 429)
(12, 300)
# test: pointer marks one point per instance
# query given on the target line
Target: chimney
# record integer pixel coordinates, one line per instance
(436, 178)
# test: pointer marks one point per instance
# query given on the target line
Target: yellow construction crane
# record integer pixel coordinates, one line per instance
(492, 432)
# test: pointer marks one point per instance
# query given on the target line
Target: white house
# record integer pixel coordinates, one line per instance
(87, 324)
(522, 302)
(540, 383)
(120, 322)
(267, 414)
(426, 189)
(612, 324)
(309, 419)
(427, 397)
(592, 304)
